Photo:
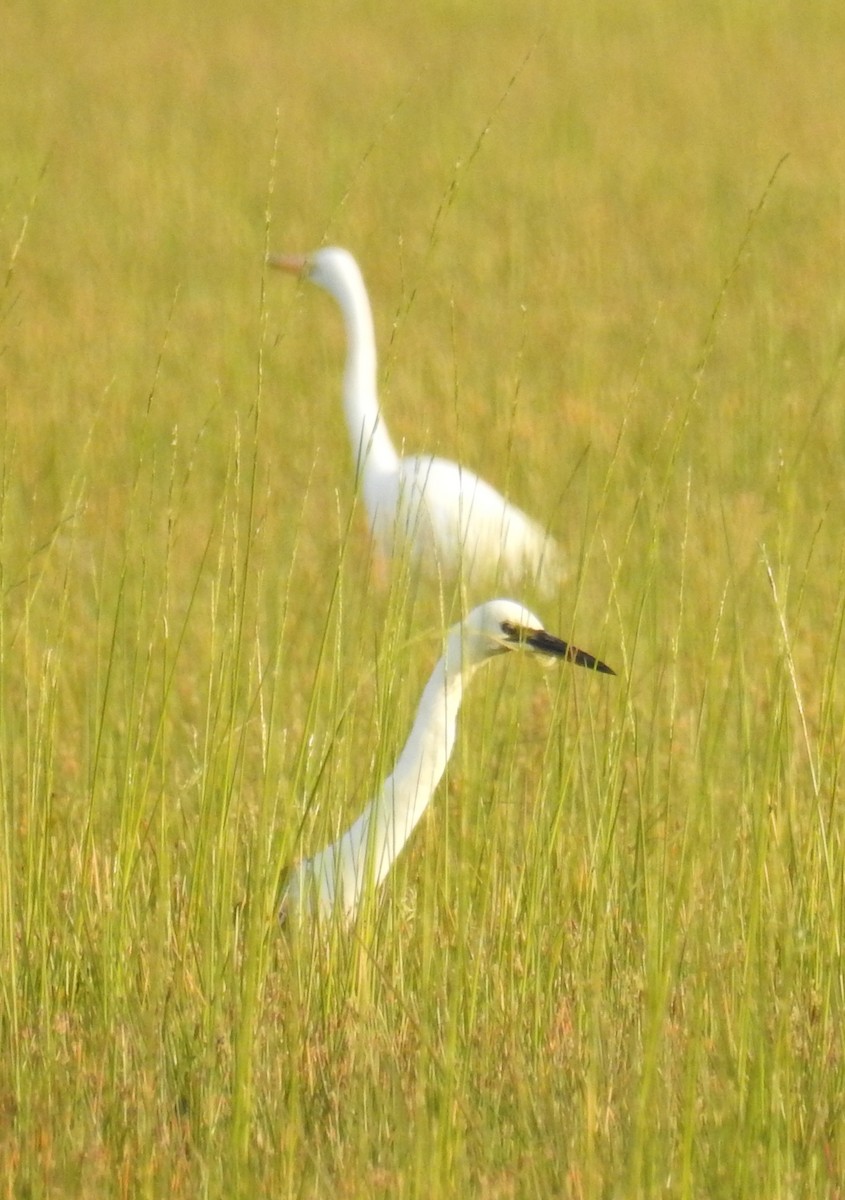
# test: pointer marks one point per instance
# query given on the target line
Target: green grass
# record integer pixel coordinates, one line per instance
(610, 963)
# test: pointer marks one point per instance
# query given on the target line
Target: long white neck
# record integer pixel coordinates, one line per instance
(339, 875)
(371, 444)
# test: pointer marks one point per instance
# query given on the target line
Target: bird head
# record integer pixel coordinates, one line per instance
(500, 626)
(331, 268)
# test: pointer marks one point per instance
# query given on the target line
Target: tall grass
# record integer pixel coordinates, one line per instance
(610, 962)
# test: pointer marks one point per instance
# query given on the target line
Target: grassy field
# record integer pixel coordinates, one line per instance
(605, 245)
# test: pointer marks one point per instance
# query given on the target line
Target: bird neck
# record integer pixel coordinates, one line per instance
(372, 448)
(407, 793)
(364, 854)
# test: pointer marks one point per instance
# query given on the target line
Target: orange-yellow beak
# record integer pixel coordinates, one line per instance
(294, 264)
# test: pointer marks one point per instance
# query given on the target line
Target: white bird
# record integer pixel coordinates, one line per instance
(437, 512)
(338, 877)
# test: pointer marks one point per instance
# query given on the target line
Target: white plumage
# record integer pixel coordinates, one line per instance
(339, 876)
(439, 513)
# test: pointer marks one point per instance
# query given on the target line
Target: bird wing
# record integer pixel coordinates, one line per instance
(456, 519)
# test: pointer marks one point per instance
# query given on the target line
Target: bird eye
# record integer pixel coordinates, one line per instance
(512, 632)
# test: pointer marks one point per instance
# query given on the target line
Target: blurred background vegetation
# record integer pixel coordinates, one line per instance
(605, 249)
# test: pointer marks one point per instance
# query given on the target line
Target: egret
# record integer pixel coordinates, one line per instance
(438, 513)
(338, 877)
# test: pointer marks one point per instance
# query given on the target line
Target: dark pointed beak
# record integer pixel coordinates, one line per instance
(547, 643)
